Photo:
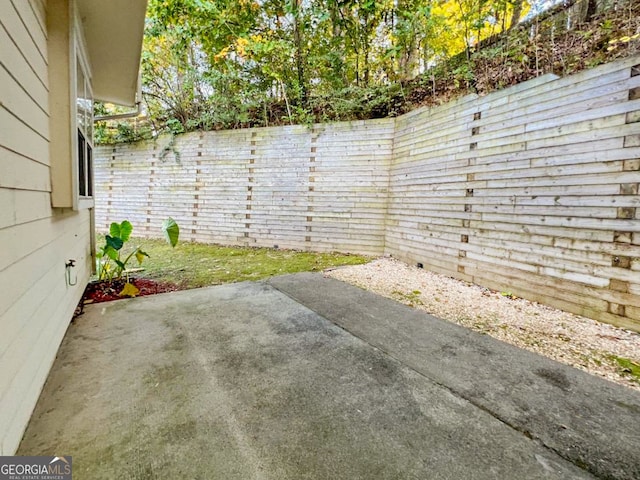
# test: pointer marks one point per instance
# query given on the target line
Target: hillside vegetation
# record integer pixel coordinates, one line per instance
(210, 65)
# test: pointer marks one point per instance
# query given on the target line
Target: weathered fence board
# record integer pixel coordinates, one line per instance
(537, 194)
(322, 188)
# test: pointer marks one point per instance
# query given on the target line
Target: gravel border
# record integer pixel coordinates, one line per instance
(571, 339)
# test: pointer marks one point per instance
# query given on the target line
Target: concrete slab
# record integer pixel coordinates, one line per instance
(589, 421)
(242, 381)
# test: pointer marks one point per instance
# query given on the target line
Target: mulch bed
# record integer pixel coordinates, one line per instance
(103, 291)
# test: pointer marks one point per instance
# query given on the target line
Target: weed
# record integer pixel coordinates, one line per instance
(626, 367)
(412, 299)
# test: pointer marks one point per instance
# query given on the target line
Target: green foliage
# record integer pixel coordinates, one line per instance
(111, 260)
(171, 231)
(218, 64)
(175, 126)
(627, 367)
(409, 298)
(111, 264)
(121, 132)
(121, 231)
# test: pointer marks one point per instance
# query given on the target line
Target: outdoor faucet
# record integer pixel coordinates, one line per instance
(68, 266)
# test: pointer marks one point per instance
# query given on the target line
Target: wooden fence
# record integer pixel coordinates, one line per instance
(321, 188)
(533, 189)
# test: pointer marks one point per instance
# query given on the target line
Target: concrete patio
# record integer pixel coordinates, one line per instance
(306, 377)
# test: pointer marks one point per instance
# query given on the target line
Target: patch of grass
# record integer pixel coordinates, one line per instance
(627, 367)
(193, 265)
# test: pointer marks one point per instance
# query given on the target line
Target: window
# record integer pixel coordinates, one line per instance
(84, 121)
(71, 131)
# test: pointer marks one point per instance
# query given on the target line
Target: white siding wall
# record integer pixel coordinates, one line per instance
(36, 304)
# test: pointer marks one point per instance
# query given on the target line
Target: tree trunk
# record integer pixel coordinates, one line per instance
(515, 15)
(297, 38)
(592, 9)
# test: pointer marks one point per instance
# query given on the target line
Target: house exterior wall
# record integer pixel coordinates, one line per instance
(37, 303)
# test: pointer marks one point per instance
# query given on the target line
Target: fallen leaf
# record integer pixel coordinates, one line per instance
(129, 290)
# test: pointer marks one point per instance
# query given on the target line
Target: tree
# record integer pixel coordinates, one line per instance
(226, 63)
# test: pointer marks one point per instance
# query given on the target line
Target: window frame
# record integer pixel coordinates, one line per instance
(79, 62)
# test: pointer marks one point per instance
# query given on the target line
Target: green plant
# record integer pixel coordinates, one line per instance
(412, 298)
(171, 231)
(627, 367)
(112, 264)
(175, 126)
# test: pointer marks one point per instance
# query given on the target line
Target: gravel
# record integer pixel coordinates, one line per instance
(595, 347)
